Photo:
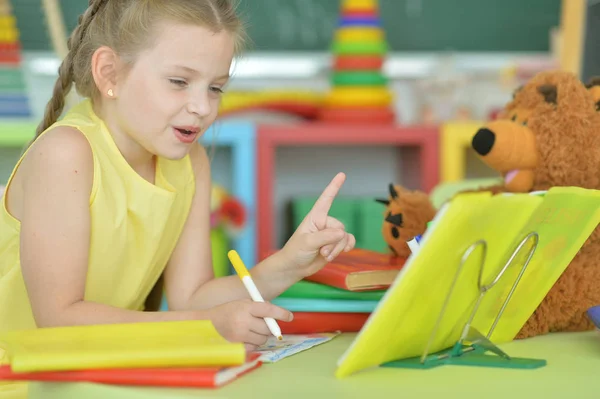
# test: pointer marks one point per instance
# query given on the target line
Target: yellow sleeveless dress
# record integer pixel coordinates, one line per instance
(135, 226)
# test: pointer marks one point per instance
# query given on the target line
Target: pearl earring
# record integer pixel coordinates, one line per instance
(110, 93)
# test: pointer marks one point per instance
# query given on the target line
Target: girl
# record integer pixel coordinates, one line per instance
(116, 194)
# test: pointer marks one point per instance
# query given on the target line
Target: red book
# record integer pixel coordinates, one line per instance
(205, 377)
(360, 270)
(321, 322)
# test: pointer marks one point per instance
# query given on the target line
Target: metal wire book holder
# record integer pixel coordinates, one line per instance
(476, 352)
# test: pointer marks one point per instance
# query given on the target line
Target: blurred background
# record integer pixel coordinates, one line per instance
(426, 74)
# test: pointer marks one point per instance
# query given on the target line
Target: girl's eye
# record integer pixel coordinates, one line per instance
(178, 82)
(217, 90)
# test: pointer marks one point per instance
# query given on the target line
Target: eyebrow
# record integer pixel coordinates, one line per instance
(194, 71)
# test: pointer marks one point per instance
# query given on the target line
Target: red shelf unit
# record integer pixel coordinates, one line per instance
(424, 157)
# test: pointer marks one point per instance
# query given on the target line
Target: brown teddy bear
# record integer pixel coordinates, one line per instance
(548, 135)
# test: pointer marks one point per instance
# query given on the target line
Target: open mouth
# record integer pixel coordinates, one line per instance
(185, 134)
(519, 180)
(185, 131)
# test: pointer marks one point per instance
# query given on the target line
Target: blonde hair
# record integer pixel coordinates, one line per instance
(127, 27)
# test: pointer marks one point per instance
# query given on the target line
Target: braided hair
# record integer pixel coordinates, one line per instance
(64, 83)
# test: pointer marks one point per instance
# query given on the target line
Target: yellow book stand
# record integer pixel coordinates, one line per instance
(484, 265)
(475, 353)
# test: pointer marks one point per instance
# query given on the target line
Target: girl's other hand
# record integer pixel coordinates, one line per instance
(242, 321)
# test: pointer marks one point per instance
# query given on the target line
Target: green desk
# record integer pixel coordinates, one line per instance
(572, 371)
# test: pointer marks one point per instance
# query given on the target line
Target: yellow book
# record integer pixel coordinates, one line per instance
(471, 240)
(139, 345)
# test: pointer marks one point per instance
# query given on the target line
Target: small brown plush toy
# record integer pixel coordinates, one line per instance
(547, 136)
(406, 215)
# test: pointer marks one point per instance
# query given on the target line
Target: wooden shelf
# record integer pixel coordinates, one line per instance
(455, 139)
(271, 137)
(240, 136)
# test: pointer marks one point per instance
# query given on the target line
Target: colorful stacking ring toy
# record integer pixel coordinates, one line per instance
(352, 4)
(359, 78)
(358, 62)
(347, 22)
(365, 13)
(358, 97)
(361, 14)
(359, 93)
(355, 34)
(344, 48)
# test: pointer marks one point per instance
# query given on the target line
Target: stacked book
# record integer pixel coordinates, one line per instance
(172, 354)
(14, 101)
(342, 295)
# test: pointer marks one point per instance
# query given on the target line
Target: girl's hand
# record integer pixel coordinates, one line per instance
(319, 238)
(242, 321)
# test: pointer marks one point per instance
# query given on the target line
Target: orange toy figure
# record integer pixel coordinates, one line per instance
(547, 136)
(406, 215)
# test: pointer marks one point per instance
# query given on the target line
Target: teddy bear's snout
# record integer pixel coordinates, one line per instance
(483, 141)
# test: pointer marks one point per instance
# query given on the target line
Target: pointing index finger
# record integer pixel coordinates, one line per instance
(325, 200)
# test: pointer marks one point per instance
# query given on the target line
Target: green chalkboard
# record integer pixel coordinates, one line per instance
(410, 25)
(32, 23)
(591, 52)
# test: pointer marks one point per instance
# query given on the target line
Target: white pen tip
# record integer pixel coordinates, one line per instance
(280, 338)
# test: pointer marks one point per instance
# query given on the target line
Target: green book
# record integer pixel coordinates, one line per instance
(310, 290)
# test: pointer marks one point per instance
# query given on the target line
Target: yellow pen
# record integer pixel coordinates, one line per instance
(244, 275)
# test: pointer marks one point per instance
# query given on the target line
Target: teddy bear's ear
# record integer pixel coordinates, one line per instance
(517, 90)
(393, 192)
(549, 92)
(594, 87)
(594, 81)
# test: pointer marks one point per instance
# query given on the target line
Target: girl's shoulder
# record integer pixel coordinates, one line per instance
(61, 147)
(57, 168)
(62, 157)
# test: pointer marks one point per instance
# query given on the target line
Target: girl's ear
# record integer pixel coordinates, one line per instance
(105, 70)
